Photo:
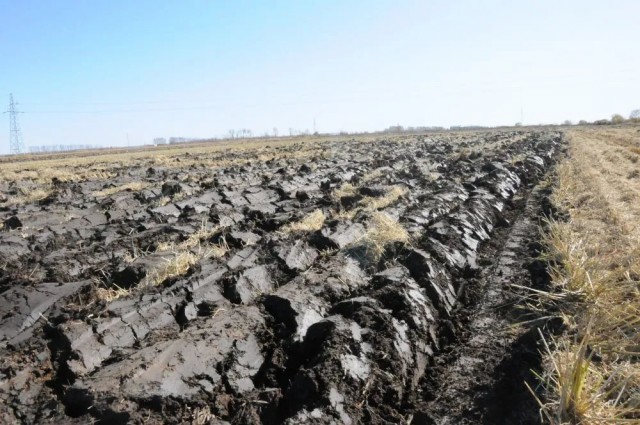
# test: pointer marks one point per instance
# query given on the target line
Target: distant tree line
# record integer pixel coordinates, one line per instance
(173, 140)
(469, 127)
(176, 140)
(400, 129)
(243, 133)
(634, 117)
(59, 148)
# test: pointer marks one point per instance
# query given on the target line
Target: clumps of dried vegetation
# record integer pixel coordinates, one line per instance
(30, 195)
(592, 373)
(162, 201)
(194, 240)
(373, 175)
(133, 186)
(175, 266)
(347, 189)
(310, 223)
(382, 230)
(112, 293)
(391, 197)
(34, 194)
(367, 203)
(184, 256)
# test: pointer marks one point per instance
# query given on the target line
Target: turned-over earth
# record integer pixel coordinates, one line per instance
(317, 281)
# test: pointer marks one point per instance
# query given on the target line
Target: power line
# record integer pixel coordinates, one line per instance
(16, 145)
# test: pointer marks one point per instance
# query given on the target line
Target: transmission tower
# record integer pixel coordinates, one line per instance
(15, 137)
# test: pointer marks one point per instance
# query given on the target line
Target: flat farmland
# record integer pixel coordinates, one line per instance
(365, 280)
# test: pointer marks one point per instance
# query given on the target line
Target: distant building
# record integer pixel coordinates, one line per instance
(159, 141)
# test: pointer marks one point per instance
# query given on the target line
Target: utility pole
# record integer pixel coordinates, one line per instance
(16, 145)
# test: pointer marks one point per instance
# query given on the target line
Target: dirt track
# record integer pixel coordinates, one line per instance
(280, 326)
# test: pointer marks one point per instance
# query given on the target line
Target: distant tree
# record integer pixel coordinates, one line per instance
(583, 122)
(518, 124)
(567, 122)
(635, 115)
(275, 132)
(617, 119)
(232, 133)
(395, 129)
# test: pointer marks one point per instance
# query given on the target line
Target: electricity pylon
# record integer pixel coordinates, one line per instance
(16, 144)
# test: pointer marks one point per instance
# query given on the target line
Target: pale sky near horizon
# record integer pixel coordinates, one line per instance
(95, 72)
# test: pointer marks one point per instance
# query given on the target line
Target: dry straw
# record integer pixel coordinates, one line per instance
(592, 374)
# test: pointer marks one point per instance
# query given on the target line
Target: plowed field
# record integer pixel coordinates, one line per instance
(334, 282)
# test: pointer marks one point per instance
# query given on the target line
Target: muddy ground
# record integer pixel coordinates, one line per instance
(280, 326)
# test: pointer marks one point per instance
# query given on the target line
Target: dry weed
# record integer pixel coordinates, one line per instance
(173, 267)
(373, 175)
(111, 294)
(368, 203)
(347, 189)
(133, 186)
(390, 198)
(193, 240)
(383, 230)
(310, 223)
(29, 195)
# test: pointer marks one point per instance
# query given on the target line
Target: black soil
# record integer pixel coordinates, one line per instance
(305, 327)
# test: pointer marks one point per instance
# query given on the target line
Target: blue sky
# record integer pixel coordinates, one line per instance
(93, 72)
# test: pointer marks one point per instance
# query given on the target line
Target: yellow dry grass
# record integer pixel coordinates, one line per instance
(163, 201)
(310, 223)
(368, 203)
(383, 230)
(133, 186)
(194, 240)
(592, 371)
(29, 195)
(35, 194)
(390, 198)
(111, 294)
(373, 175)
(185, 255)
(182, 261)
(347, 189)
(178, 265)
